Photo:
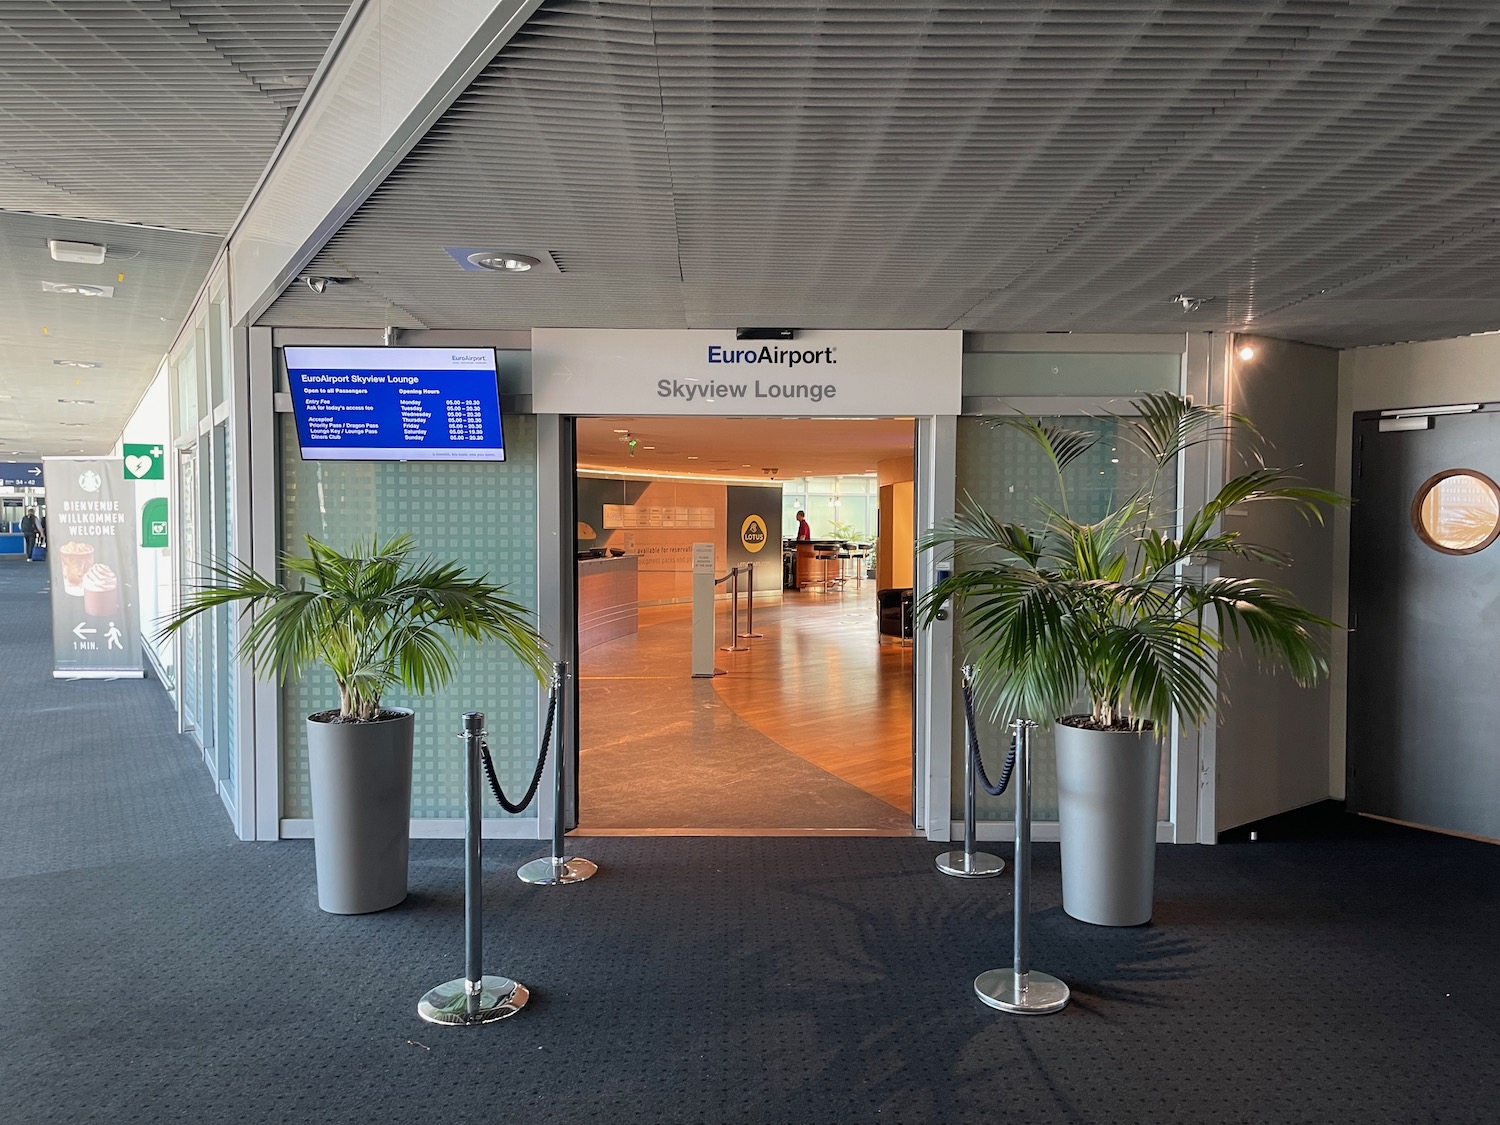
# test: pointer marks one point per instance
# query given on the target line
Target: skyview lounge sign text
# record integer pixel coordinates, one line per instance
(692, 390)
(847, 374)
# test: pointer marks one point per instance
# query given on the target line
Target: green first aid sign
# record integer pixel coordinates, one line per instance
(145, 462)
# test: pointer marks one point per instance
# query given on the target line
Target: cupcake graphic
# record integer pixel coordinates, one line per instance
(101, 591)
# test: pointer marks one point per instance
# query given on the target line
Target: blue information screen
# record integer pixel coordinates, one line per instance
(396, 404)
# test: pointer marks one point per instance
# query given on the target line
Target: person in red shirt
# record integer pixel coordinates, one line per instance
(804, 530)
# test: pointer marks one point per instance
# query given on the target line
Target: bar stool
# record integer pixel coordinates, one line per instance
(858, 553)
(827, 554)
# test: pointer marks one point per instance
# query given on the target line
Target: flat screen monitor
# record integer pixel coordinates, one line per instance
(396, 404)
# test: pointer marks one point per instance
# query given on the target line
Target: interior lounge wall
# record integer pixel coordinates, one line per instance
(1431, 373)
(1272, 733)
(666, 553)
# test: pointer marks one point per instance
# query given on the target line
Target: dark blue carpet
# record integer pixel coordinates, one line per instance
(154, 969)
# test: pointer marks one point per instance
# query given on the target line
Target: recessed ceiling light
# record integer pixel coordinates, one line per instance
(72, 423)
(83, 253)
(76, 401)
(76, 363)
(622, 431)
(78, 289)
(504, 261)
(1247, 353)
(692, 457)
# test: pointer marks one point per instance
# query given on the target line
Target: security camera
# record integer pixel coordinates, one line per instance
(316, 284)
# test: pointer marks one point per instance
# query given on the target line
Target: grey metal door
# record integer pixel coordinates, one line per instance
(1424, 654)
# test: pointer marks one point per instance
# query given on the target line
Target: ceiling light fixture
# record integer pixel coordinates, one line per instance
(75, 363)
(504, 261)
(81, 253)
(1247, 353)
(76, 401)
(1190, 304)
(77, 289)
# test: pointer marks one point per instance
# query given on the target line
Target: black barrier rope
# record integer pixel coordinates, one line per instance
(1010, 758)
(541, 761)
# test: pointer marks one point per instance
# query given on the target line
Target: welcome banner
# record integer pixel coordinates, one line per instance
(91, 552)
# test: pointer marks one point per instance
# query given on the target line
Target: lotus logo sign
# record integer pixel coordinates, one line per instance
(753, 533)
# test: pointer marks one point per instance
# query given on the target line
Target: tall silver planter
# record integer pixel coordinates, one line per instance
(1106, 809)
(360, 774)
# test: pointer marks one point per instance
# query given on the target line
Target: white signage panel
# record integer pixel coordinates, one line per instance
(876, 374)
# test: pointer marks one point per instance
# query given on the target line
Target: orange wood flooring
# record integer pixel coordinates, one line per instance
(822, 685)
(819, 684)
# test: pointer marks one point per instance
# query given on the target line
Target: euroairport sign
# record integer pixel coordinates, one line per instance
(20, 474)
(856, 374)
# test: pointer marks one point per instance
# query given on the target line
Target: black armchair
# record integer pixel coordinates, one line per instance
(893, 608)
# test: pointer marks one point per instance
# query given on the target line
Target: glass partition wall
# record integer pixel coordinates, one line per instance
(1006, 474)
(201, 657)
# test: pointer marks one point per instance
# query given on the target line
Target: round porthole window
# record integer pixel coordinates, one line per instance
(1457, 511)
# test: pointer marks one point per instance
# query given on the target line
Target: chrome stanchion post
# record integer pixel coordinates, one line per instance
(970, 864)
(557, 869)
(1020, 989)
(750, 634)
(734, 625)
(474, 998)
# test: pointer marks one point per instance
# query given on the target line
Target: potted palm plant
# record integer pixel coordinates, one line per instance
(375, 617)
(1118, 612)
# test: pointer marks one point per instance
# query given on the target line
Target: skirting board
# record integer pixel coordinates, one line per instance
(1042, 831)
(518, 828)
(102, 674)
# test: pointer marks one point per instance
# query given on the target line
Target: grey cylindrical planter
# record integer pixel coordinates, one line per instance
(1106, 809)
(360, 775)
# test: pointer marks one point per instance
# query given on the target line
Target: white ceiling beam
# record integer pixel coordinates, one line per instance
(395, 67)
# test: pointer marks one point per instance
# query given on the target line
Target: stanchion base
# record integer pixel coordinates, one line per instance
(709, 675)
(449, 1003)
(1042, 995)
(550, 872)
(750, 636)
(734, 648)
(966, 865)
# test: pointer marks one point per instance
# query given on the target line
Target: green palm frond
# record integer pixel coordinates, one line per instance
(1060, 607)
(375, 617)
(1165, 425)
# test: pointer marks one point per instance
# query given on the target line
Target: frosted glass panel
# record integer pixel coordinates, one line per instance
(1005, 473)
(482, 515)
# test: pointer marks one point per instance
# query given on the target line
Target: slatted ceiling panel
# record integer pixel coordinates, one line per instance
(276, 46)
(996, 166)
(160, 112)
(149, 111)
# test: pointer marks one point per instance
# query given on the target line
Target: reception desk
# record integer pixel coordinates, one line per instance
(608, 599)
(815, 572)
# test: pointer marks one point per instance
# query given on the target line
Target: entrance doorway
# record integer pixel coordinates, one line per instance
(809, 727)
(1424, 579)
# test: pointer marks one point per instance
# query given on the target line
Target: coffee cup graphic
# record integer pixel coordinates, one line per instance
(76, 559)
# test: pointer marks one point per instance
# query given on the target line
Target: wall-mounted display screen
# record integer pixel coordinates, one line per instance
(396, 404)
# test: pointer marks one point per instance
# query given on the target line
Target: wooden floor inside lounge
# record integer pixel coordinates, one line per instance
(807, 732)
